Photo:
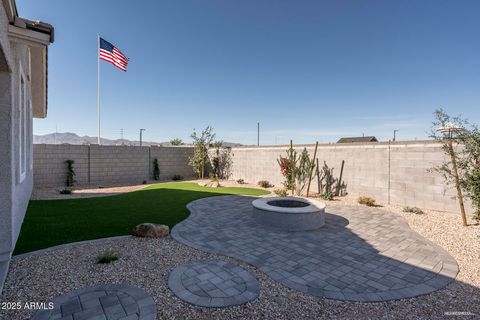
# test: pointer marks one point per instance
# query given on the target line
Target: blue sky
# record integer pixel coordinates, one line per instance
(306, 70)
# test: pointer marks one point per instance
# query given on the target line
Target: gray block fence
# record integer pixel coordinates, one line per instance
(391, 172)
(98, 165)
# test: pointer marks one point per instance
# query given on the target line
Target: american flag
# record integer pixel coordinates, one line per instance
(110, 53)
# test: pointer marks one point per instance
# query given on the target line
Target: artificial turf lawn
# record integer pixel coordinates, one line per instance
(52, 222)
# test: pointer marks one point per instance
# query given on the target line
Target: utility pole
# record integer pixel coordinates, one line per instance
(395, 134)
(258, 134)
(141, 131)
(121, 133)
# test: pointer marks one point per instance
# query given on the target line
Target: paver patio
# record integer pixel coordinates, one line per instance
(361, 254)
(108, 301)
(213, 283)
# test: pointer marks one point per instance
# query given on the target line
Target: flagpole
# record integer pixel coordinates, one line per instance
(98, 93)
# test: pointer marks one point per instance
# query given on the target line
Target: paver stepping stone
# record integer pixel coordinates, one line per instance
(213, 283)
(360, 254)
(108, 301)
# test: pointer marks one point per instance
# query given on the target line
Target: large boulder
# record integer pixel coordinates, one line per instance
(151, 230)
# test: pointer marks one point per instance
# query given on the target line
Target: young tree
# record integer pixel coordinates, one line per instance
(461, 142)
(176, 142)
(215, 160)
(201, 144)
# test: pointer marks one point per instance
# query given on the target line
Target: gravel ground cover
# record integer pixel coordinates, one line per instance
(84, 192)
(147, 263)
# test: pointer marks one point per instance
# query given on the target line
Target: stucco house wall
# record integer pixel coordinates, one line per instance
(17, 51)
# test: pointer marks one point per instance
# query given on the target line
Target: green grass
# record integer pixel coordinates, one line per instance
(52, 222)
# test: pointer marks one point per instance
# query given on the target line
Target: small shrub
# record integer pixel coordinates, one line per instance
(65, 191)
(281, 192)
(241, 181)
(177, 177)
(107, 257)
(156, 169)
(369, 202)
(264, 184)
(327, 196)
(413, 210)
(144, 182)
(70, 179)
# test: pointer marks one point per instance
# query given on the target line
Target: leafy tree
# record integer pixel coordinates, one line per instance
(215, 160)
(201, 144)
(176, 142)
(461, 142)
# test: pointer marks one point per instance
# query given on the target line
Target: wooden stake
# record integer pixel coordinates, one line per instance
(339, 184)
(293, 185)
(457, 183)
(311, 170)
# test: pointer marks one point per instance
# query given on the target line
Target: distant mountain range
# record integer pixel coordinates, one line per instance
(73, 138)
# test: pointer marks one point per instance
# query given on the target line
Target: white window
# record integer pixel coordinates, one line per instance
(22, 126)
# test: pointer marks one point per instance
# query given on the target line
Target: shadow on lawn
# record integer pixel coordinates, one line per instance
(53, 222)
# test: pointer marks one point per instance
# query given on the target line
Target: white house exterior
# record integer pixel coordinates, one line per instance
(23, 95)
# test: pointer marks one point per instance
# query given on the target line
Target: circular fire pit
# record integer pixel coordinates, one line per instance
(289, 213)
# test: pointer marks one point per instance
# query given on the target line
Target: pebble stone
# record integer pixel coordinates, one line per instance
(213, 283)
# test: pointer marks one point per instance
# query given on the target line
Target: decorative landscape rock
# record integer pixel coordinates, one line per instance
(151, 230)
(211, 184)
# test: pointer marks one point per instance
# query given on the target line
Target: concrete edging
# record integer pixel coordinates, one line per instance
(67, 245)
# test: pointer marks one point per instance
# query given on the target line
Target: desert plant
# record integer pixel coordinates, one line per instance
(472, 186)
(70, 179)
(176, 142)
(326, 181)
(65, 191)
(201, 143)
(177, 177)
(288, 166)
(215, 160)
(156, 169)
(413, 210)
(327, 196)
(264, 184)
(281, 192)
(107, 257)
(368, 201)
(240, 181)
(302, 172)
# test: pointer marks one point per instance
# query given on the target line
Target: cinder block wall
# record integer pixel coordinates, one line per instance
(394, 172)
(390, 172)
(49, 168)
(105, 165)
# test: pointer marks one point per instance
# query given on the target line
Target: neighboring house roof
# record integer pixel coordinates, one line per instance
(357, 139)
